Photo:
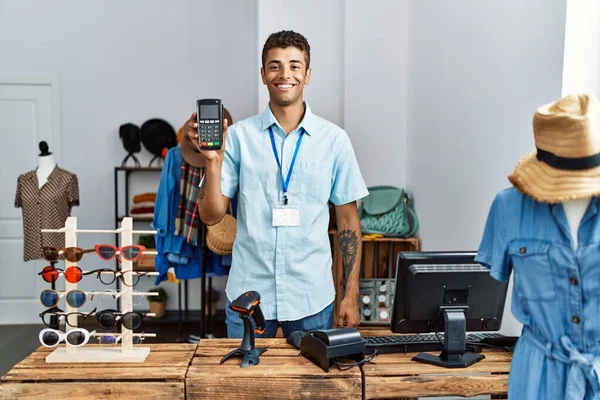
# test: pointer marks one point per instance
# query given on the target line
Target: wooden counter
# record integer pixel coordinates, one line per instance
(179, 371)
(161, 376)
(281, 374)
(396, 375)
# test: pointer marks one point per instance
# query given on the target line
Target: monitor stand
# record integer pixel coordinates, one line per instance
(454, 354)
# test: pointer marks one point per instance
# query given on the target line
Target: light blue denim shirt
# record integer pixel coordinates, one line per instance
(289, 266)
(556, 295)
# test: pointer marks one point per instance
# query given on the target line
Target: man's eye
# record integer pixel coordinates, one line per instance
(274, 67)
(295, 67)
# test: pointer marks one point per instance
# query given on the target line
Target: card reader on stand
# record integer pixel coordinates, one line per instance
(248, 305)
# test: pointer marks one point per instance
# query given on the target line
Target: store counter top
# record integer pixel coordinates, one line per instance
(178, 371)
(281, 374)
(161, 376)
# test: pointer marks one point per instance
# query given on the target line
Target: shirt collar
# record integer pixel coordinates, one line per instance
(309, 122)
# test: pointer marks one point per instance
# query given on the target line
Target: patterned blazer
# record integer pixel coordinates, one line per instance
(45, 208)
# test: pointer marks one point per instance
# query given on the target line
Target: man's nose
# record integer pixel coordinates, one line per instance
(286, 73)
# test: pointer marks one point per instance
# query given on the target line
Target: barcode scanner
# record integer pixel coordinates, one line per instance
(248, 306)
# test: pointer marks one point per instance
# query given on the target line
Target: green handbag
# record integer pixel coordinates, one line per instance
(387, 211)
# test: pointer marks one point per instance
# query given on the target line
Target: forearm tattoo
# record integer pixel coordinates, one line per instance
(349, 247)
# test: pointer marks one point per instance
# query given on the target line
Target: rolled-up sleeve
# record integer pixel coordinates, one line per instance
(230, 172)
(348, 184)
(493, 249)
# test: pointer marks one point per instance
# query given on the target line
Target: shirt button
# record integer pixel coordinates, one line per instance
(575, 319)
(523, 250)
(574, 281)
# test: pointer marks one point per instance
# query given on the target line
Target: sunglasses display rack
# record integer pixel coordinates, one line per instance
(124, 351)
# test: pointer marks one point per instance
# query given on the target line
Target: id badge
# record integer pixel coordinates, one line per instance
(286, 216)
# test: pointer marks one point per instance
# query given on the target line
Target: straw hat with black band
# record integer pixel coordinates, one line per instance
(566, 162)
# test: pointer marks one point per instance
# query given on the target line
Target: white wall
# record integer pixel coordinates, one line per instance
(375, 87)
(477, 73)
(123, 62)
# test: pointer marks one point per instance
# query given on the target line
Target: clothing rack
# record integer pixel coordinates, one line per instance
(205, 296)
(127, 171)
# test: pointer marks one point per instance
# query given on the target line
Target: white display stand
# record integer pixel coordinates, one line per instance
(123, 352)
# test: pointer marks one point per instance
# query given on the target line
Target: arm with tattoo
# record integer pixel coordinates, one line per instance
(349, 247)
(350, 240)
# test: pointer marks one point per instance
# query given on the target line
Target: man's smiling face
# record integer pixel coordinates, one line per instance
(285, 73)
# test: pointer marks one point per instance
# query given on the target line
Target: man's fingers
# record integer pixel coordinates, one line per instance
(225, 127)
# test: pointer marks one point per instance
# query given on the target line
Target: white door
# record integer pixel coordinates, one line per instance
(29, 113)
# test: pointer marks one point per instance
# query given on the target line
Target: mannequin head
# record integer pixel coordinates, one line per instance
(44, 149)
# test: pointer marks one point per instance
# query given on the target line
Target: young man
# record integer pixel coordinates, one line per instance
(285, 165)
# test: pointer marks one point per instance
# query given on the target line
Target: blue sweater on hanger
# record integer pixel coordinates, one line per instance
(173, 250)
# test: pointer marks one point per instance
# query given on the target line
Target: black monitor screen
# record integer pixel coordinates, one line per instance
(429, 282)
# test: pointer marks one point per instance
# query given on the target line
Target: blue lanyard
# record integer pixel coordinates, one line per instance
(285, 183)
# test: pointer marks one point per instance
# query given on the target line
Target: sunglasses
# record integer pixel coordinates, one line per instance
(72, 254)
(47, 316)
(130, 253)
(50, 297)
(108, 276)
(107, 319)
(75, 338)
(72, 274)
(109, 339)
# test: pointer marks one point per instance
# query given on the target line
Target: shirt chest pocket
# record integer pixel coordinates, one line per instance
(314, 181)
(534, 279)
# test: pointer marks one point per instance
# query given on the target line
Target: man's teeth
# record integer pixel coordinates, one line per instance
(284, 86)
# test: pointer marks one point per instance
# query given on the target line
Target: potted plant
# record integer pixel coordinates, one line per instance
(158, 303)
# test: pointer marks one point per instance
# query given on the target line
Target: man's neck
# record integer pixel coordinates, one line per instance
(289, 117)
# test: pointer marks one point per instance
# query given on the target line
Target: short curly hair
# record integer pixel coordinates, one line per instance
(283, 39)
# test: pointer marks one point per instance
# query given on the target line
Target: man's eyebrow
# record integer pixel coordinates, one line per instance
(279, 62)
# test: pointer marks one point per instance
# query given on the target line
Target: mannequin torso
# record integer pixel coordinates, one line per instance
(45, 167)
(575, 209)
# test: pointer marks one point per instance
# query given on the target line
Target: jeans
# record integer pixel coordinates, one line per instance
(318, 321)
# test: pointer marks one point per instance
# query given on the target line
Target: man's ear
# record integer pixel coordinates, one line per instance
(308, 74)
(262, 75)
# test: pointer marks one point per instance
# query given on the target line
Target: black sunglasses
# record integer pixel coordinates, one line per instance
(107, 319)
(50, 314)
(108, 276)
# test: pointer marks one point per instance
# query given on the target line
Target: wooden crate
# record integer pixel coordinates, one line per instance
(161, 376)
(281, 374)
(378, 260)
(397, 376)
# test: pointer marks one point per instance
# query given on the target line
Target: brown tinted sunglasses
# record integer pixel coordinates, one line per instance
(72, 254)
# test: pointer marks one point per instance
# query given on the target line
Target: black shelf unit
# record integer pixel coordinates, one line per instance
(207, 317)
